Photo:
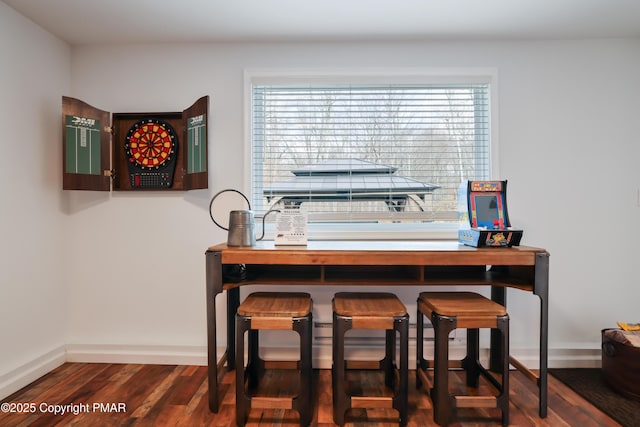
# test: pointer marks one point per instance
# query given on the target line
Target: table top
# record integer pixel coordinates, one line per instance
(376, 252)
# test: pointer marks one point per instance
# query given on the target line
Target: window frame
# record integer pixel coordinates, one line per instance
(407, 231)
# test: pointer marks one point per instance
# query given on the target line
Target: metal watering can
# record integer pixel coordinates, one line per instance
(241, 226)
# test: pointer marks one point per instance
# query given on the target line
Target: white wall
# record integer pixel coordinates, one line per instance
(34, 73)
(568, 146)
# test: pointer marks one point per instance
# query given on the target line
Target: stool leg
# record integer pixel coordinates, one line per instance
(471, 361)
(442, 406)
(243, 401)
(503, 398)
(255, 366)
(388, 363)
(303, 402)
(334, 361)
(341, 401)
(400, 401)
(421, 363)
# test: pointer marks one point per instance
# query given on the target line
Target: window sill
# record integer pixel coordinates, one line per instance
(369, 231)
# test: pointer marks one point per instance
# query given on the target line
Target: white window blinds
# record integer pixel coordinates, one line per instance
(368, 152)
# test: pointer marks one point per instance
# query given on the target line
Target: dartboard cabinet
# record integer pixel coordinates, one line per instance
(134, 151)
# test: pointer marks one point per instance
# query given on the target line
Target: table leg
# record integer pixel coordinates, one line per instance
(496, 353)
(233, 302)
(541, 288)
(213, 268)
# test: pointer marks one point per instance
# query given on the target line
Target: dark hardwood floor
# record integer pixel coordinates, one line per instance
(169, 395)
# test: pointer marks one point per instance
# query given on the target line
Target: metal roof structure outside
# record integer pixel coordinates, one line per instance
(349, 179)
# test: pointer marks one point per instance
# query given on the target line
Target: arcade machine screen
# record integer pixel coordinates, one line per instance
(487, 210)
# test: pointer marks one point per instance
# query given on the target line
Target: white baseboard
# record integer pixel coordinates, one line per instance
(197, 355)
(159, 355)
(574, 358)
(557, 358)
(32, 370)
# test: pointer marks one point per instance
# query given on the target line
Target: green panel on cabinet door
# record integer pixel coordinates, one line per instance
(196, 139)
(82, 145)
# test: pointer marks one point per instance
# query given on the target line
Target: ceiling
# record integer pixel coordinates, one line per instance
(166, 21)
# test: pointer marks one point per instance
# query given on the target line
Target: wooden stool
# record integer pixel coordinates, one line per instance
(370, 311)
(448, 311)
(273, 311)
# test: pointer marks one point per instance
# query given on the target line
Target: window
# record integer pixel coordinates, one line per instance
(368, 153)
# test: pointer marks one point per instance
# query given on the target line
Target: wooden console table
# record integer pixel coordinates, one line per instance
(367, 263)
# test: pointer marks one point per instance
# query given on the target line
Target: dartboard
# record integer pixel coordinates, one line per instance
(150, 144)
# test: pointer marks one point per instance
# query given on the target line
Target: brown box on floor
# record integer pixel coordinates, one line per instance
(621, 363)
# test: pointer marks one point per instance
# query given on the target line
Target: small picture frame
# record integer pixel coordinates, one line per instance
(291, 227)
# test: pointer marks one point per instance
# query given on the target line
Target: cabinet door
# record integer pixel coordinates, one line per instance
(85, 142)
(195, 163)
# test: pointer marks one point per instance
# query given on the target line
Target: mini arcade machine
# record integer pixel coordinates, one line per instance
(483, 217)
